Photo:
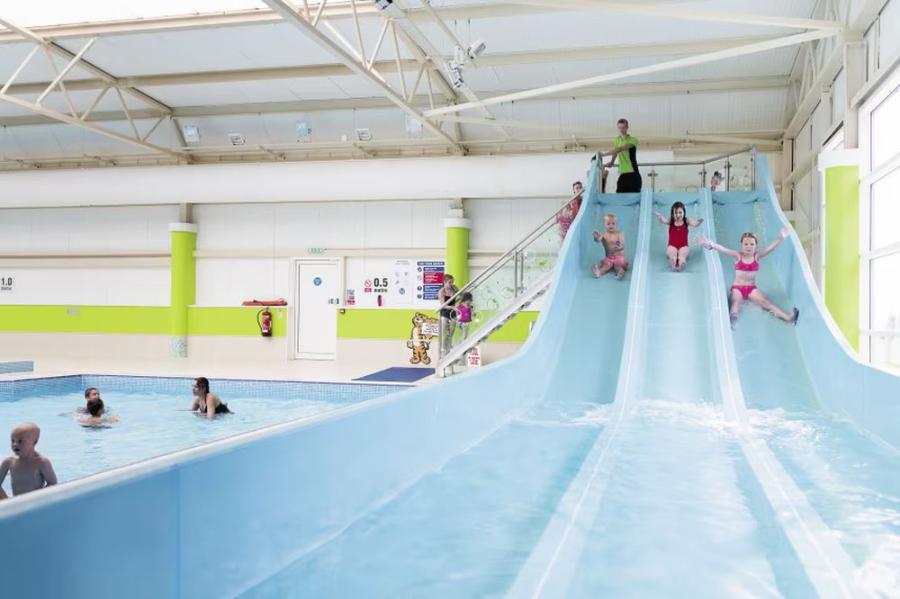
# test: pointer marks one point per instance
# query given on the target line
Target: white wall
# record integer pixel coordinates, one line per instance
(395, 179)
(121, 229)
(244, 248)
(98, 232)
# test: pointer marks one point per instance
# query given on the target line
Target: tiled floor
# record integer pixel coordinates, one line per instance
(296, 370)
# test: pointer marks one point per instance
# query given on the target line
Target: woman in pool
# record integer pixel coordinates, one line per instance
(206, 403)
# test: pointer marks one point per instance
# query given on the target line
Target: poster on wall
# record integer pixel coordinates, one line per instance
(430, 279)
(402, 289)
(392, 282)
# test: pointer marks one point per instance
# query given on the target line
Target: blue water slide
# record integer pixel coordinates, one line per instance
(222, 519)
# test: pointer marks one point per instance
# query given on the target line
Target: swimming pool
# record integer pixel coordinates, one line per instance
(154, 416)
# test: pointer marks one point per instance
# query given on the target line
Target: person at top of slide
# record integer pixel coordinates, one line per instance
(625, 151)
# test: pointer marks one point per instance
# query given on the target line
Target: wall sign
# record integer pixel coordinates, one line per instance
(393, 282)
(431, 278)
(6, 283)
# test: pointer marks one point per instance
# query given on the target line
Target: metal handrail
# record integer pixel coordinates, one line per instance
(504, 258)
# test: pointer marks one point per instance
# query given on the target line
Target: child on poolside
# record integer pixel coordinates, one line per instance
(96, 411)
(30, 470)
(464, 314)
(614, 243)
(677, 250)
(745, 267)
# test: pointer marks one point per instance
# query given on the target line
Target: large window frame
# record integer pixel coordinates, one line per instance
(873, 333)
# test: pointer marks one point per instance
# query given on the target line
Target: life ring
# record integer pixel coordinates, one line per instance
(255, 302)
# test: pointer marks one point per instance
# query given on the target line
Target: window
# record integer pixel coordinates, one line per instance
(889, 34)
(885, 124)
(885, 212)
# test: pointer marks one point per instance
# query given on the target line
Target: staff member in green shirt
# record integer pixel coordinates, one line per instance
(625, 150)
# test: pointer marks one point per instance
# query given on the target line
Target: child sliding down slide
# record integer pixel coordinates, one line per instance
(745, 268)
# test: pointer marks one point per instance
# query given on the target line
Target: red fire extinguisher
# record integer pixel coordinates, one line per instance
(264, 321)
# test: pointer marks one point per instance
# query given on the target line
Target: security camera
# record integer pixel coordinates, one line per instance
(454, 70)
(476, 49)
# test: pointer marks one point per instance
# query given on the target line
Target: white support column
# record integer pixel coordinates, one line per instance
(855, 77)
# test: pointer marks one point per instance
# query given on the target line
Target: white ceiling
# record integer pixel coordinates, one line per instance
(587, 113)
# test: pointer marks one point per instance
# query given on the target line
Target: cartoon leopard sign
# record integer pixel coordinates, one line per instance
(424, 329)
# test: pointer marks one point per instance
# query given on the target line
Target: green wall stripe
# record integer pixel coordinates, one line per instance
(372, 323)
(147, 320)
(238, 321)
(150, 320)
(842, 249)
(228, 321)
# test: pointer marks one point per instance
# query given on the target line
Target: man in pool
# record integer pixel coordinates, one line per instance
(30, 470)
(96, 414)
(89, 394)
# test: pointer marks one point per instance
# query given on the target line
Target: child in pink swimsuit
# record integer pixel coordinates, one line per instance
(745, 268)
(678, 223)
(464, 314)
(614, 243)
(566, 216)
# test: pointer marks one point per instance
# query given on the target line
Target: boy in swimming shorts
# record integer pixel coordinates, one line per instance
(614, 243)
(29, 470)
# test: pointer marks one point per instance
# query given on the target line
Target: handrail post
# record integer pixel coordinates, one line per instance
(442, 331)
(753, 169)
(728, 174)
(702, 175)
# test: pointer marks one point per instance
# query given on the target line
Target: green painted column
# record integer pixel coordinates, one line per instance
(456, 261)
(842, 244)
(182, 290)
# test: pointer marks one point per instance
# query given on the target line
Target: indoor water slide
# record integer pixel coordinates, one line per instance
(635, 446)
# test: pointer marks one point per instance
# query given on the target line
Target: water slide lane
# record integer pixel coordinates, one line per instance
(678, 495)
(500, 491)
(848, 474)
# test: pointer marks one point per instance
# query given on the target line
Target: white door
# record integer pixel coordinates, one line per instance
(318, 297)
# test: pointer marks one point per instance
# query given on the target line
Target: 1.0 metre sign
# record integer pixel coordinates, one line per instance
(6, 283)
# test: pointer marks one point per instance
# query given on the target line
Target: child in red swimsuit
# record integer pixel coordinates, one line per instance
(745, 268)
(678, 223)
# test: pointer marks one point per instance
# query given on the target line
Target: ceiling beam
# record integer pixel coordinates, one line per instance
(293, 17)
(782, 42)
(556, 56)
(159, 110)
(655, 10)
(106, 78)
(702, 86)
(239, 18)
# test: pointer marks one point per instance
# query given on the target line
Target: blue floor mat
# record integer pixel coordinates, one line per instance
(398, 374)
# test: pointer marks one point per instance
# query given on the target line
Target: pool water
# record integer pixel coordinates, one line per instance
(153, 424)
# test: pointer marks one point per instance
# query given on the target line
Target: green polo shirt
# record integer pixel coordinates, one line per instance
(627, 160)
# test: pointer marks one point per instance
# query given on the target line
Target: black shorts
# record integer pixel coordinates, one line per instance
(448, 313)
(629, 183)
